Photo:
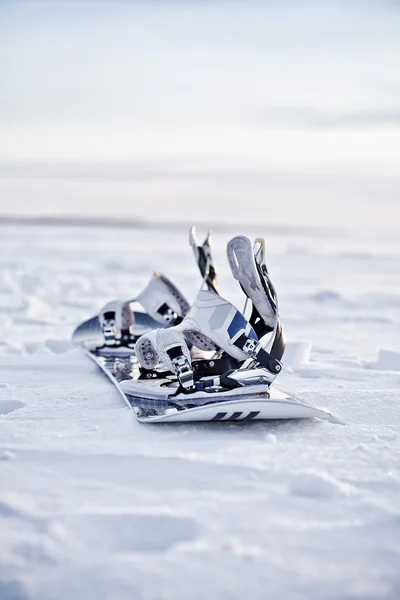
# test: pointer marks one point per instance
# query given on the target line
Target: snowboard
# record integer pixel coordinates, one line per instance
(120, 365)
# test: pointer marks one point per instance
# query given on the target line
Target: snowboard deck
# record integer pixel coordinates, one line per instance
(120, 364)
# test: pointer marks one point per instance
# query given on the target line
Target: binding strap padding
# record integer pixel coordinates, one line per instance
(200, 340)
(166, 346)
(217, 320)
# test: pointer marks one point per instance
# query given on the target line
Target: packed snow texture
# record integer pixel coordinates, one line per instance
(95, 506)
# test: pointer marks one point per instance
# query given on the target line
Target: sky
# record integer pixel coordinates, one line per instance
(192, 108)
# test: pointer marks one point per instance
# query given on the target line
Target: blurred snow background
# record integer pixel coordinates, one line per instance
(192, 110)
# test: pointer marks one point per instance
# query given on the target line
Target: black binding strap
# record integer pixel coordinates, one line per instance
(254, 350)
(201, 368)
(213, 367)
(279, 345)
(169, 315)
(154, 374)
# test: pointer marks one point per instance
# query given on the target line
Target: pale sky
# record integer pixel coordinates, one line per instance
(143, 94)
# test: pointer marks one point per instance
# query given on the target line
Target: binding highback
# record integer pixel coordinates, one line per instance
(163, 301)
(249, 268)
(204, 259)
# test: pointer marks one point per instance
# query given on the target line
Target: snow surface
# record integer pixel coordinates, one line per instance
(95, 506)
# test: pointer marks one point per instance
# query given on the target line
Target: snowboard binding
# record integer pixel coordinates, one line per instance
(210, 362)
(120, 324)
(246, 353)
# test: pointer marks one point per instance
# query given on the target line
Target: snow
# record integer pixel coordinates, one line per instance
(297, 352)
(388, 360)
(94, 505)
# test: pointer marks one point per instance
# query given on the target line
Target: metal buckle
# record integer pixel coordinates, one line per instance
(109, 332)
(249, 347)
(184, 372)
